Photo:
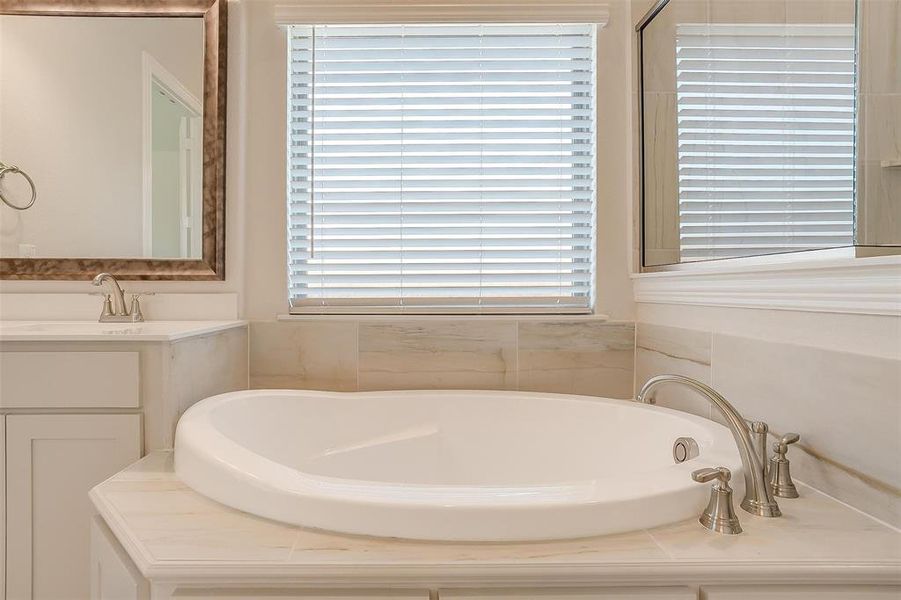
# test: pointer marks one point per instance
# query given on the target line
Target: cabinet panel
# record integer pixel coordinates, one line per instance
(2, 505)
(52, 461)
(69, 379)
(612, 593)
(113, 575)
(801, 592)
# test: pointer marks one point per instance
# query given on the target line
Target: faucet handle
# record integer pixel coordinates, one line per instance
(135, 313)
(721, 474)
(719, 516)
(779, 471)
(781, 447)
(107, 307)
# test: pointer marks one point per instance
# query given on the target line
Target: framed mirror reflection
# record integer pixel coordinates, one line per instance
(752, 132)
(112, 139)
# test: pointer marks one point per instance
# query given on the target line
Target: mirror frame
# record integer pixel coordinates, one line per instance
(211, 266)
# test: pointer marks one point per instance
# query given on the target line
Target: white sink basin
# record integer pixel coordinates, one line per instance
(449, 465)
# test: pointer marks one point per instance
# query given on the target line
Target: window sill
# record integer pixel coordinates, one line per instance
(445, 317)
(841, 285)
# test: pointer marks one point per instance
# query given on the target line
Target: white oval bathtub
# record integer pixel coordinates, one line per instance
(448, 465)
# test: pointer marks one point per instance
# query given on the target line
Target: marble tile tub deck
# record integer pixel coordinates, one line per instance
(174, 534)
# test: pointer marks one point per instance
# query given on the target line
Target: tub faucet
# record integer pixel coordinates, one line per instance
(114, 309)
(758, 498)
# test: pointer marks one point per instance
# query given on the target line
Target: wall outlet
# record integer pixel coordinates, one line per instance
(27, 250)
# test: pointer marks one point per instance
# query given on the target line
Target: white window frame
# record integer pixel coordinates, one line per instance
(325, 12)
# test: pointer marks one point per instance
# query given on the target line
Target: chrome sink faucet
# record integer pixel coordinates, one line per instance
(758, 498)
(114, 310)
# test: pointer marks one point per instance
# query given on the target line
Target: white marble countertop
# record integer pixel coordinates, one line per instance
(92, 331)
(174, 534)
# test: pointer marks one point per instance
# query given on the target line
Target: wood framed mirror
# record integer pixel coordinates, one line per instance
(113, 118)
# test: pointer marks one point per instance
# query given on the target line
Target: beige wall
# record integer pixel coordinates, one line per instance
(71, 116)
(834, 378)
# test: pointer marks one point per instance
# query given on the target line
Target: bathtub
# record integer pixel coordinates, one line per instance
(449, 465)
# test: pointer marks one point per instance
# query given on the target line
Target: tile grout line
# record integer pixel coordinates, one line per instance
(851, 506)
(712, 381)
(516, 355)
(356, 356)
(659, 545)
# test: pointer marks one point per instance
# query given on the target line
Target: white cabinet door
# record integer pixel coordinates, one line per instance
(52, 461)
(2, 505)
(113, 575)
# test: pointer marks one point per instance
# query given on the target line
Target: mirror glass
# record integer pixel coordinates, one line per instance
(104, 117)
(748, 115)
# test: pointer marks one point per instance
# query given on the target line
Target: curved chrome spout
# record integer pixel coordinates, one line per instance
(115, 291)
(758, 498)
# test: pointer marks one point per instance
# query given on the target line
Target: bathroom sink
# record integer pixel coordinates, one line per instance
(449, 465)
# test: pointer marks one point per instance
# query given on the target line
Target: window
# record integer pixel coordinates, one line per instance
(766, 138)
(441, 168)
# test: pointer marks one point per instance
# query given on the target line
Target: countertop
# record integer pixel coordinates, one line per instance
(175, 534)
(92, 331)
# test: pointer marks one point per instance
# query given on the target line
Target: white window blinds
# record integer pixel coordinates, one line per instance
(766, 138)
(441, 167)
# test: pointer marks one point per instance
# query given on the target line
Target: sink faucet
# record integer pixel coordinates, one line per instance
(758, 498)
(114, 310)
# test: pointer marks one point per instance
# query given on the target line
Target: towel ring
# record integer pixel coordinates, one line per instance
(4, 169)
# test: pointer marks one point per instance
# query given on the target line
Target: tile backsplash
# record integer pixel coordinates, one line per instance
(576, 356)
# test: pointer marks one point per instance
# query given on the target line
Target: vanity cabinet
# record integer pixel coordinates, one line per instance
(75, 412)
(52, 462)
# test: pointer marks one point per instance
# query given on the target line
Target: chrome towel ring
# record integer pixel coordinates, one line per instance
(4, 169)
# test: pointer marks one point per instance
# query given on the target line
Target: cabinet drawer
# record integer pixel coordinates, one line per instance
(69, 380)
(600, 593)
(801, 592)
(293, 594)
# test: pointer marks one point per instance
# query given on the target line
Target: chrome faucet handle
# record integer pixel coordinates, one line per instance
(719, 516)
(780, 473)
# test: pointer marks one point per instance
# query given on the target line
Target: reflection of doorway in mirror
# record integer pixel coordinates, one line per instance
(172, 168)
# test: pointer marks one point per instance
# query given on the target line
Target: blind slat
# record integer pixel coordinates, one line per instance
(436, 162)
(765, 138)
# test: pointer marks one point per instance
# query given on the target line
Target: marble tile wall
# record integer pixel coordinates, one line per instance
(577, 356)
(879, 123)
(845, 405)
